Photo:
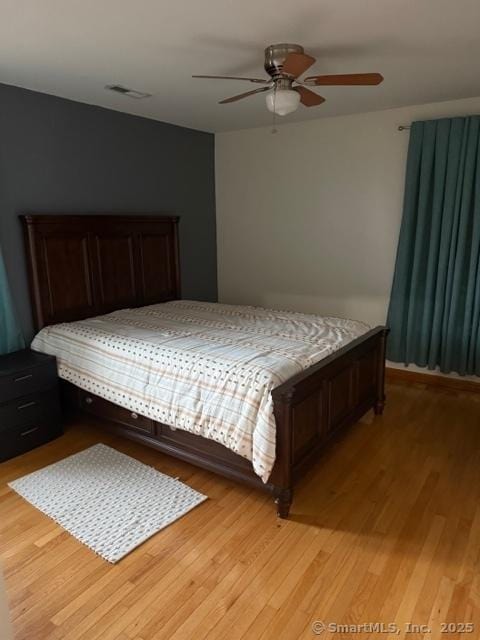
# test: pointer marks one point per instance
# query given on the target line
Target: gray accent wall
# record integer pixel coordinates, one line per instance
(60, 156)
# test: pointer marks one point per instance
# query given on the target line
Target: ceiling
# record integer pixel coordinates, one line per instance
(427, 50)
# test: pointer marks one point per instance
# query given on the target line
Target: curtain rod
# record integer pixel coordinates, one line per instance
(404, 127)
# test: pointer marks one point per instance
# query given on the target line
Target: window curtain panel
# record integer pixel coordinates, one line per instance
(434, 312)
(11, 338)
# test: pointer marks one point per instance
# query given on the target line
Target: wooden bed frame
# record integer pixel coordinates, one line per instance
(86, 265)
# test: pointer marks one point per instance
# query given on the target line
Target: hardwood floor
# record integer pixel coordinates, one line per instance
(386, 528)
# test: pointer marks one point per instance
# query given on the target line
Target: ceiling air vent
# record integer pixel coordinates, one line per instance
(131, 93)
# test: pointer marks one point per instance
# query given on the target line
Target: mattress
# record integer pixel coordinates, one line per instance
(206, 368)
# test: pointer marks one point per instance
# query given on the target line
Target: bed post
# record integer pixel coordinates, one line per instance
(380, 401)
(283, 492)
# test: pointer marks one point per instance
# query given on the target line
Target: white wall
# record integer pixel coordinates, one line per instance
(308, 218)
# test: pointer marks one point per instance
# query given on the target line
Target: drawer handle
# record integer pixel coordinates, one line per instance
(26, 405)
(134, 415)
(88, 400)
(22, 378)
(26, 433)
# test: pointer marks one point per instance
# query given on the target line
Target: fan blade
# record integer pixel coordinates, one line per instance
(297, 63)
(260, 81)
(345, 79)
(309, 98)
(244, 95)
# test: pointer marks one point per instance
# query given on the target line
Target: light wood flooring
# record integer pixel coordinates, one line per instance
(386, 528)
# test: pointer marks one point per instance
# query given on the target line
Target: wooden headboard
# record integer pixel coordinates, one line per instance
(86, 265)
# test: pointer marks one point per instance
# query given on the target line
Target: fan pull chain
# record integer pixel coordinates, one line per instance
(274, 115)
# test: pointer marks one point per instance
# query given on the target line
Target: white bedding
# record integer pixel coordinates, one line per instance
(203, 367)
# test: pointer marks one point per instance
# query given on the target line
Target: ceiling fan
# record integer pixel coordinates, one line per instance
(285, 63)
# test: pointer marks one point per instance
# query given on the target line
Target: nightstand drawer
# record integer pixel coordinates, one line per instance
(17, 440)
(15, 383)
(37, 406)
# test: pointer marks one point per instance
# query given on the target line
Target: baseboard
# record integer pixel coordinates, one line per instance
(432, 380)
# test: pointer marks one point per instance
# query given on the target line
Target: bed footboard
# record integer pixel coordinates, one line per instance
(316, 405)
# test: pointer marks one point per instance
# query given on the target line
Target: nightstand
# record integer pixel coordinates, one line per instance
(29, 402)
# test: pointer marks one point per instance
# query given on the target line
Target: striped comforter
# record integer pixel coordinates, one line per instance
(203, 367)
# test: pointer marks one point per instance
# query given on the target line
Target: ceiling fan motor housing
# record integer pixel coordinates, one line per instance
(275, 56)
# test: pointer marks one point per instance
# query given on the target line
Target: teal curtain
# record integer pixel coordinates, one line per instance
(434, 312)
(11, 338)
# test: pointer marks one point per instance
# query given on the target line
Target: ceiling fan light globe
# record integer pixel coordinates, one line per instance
(282, 101)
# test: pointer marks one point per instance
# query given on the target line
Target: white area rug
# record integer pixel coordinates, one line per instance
(107, 500)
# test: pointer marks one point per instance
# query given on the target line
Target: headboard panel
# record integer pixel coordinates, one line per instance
(86, 265)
